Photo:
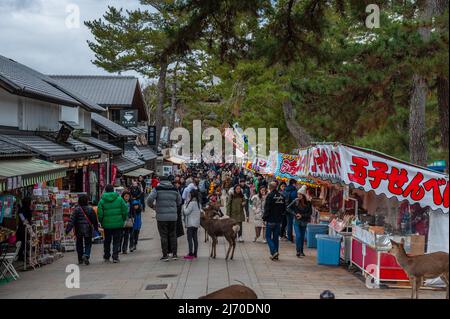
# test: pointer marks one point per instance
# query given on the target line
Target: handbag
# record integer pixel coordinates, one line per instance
(129, 222)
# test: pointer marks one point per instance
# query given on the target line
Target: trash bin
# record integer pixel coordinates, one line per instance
(328, 249)
(311, 231)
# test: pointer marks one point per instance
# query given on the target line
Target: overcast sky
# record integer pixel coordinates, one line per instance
(34, 32)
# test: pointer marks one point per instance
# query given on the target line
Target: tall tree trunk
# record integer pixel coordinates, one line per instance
(443, 97)
(173, 104)
(300, 135)
(417, 134)
(161, 96)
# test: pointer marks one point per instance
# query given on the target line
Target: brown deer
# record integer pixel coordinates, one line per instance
(212, 212)
(227, 228)
(232, 292)
(421, 267)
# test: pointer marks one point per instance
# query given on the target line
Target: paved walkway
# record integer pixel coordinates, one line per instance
(288, 278)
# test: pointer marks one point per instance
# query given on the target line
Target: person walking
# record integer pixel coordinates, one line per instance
(258, 211)
(84, 221)
(127, 231)
(112, 214)
(191, 212)
(290, 194)
(165, 199)
(301, 210)
(281, 190)
(235, 209)
(246, 192)
(136, 211)
(143, 188)
(180, 227)
(274, 208)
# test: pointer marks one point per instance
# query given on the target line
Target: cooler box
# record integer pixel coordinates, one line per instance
(311, 231)
(328, 249)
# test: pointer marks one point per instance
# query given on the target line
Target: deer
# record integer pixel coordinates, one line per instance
(421, 267)
(227, 228)
(213, 212)
(232, 292)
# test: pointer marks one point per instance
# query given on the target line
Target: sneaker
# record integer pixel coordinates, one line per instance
(116, 261)
(80, 262)
(241, 240)
(264, 241)
(174, 257)
(124, 252)
(164, 258)
(189, 257)
(276, 255)
(86, 260)
(298, 255)
(254, 240)
(106, 260)
(302, 254)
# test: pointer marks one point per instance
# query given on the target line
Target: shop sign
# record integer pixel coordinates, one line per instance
(128, 118)
(288, 166)
(324, 161)
(151, 136)
(394, 179)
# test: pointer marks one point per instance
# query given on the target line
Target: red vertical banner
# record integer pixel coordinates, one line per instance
(101, 178)
(85, 179)
(114, 174)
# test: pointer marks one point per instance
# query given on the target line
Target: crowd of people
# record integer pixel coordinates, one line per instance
(279, 211)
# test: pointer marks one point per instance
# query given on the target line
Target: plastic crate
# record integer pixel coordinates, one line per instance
(311, 231)
(328, 249)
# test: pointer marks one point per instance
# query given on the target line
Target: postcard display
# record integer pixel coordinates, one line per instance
(51, 210)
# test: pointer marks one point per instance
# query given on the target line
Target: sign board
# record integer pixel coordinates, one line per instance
(151, 138)
(128, 118)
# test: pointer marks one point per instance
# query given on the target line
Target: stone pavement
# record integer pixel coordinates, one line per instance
(288, 278)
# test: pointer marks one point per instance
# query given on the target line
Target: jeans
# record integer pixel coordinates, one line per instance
(84, 245)
(127, 238)
(289, 225)
(168, 233)
(192, 238)
(272, 237)
(300, 232)
(114, 236)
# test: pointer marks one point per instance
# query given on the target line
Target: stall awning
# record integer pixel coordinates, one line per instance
(26, 172)
(139, 172)
(176, 160)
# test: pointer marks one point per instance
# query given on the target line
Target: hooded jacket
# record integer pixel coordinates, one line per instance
(78, 220)
(112, 211)
(290, 193)
(167, 200)
(274, 207)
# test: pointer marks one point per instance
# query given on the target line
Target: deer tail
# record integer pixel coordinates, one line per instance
(236, 229)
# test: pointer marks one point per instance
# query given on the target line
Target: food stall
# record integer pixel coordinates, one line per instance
(381, 199)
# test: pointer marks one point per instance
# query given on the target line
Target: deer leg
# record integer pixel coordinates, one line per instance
(234, 246)
(419, 282)
(444, 278)
(214, 246)
(229, 249)
(412, 281)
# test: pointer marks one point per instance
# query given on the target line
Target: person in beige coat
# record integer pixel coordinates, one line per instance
(258, 211)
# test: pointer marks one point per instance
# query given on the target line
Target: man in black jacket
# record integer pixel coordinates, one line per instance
(274, 208)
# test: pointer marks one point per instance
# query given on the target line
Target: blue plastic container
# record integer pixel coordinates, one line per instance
(328, 249)
(311, 231)
(324, 222)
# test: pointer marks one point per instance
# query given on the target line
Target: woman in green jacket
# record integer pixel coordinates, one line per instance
(235, 208)
(112, 214)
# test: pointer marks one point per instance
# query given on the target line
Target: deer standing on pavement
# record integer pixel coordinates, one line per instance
(421, 267)
(227, 228)
(232, 292)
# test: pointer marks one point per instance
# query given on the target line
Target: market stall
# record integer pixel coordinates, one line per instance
(378, 198)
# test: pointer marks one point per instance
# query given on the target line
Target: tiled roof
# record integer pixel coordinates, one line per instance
(127, 164)
(104, 90)
(101, 145)
(21, 80)
(139, 130)
(147, 153)
(51, 150)
(8, 150)
(113, 128)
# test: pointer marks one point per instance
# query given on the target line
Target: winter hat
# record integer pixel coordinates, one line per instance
(302, 190)
(135, 202)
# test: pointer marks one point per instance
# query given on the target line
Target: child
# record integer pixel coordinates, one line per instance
(136, 211)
